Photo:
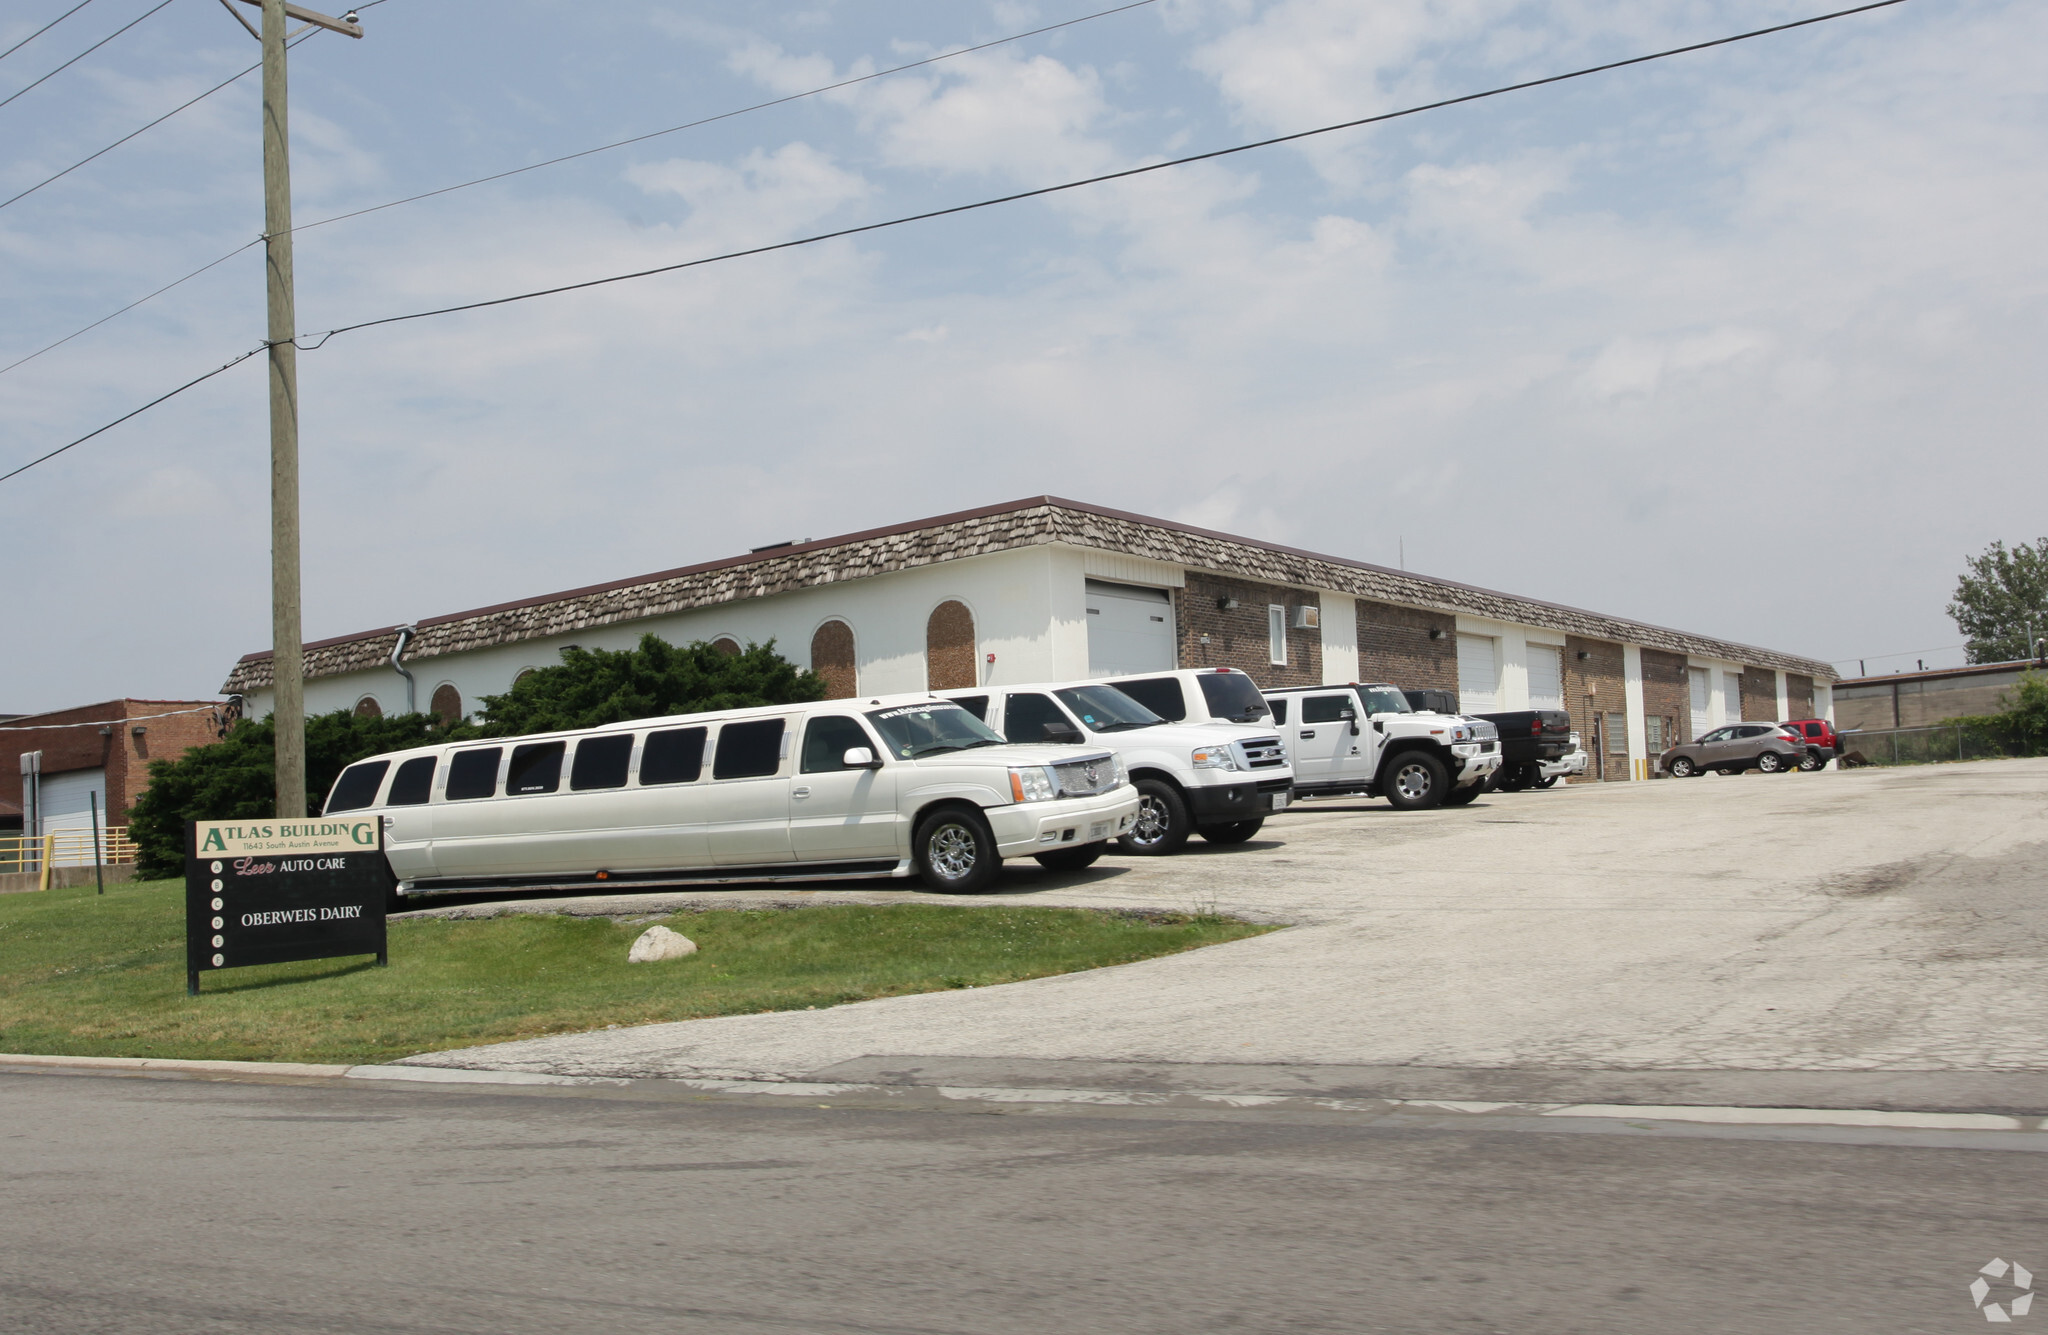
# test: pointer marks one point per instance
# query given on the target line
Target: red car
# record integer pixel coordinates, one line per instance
(1821, 743)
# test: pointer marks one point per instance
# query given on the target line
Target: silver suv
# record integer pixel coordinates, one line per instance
(1739, 746)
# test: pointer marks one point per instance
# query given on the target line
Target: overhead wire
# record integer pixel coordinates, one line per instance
(1125, 174)
(302, 35)
(45, 28)
(1040, 192)
(165, 4)
(567, 157)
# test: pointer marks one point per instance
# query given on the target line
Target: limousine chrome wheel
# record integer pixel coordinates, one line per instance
(955, 853)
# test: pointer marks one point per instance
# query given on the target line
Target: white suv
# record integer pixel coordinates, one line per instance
(824, 791)
(1218, 780)
(1366, 739)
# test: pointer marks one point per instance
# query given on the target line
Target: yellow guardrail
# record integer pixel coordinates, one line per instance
(64, 848)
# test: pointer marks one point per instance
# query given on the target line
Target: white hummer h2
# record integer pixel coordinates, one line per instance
(1216, 779)
(1365, 739)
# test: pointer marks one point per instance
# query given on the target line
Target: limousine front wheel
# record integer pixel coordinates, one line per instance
(956, 855)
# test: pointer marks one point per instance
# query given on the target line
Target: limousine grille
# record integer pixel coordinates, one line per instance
(1264, 753)
(1085, 778)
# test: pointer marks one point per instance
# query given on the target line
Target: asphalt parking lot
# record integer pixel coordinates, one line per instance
(1866, 939)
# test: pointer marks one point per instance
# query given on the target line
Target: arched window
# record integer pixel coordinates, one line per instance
(949, 648)
(726, 645)
(367, 707)
(447, 703)
(832, 659)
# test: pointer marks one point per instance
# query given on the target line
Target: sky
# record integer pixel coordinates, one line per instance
(1736, 342)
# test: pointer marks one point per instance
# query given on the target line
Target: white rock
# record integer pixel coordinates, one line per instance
(659, 943)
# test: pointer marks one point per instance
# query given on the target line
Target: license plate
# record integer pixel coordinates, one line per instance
(1279, 801)
(1099, 830)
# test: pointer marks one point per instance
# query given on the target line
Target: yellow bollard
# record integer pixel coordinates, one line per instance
(49, 856)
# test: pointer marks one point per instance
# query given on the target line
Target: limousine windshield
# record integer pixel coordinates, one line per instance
(931, 728)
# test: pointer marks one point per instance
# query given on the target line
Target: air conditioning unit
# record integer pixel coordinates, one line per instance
(1307, 617)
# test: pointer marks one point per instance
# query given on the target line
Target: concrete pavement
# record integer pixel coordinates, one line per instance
(1805, 931)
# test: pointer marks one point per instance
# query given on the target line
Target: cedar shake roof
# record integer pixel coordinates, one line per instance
(1036, 521)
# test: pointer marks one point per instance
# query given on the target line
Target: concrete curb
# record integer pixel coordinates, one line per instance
(809, 1092)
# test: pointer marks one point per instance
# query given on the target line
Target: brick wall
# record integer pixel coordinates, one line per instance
(1667, 695)
(123, 755)
(1238, 636)
(1759, 695)
(1799, 695)
(1394, 646)
(1593, 686)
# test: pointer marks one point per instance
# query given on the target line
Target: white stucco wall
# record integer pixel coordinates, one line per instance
(1028, 610)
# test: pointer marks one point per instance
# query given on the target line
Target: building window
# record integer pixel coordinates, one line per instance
(949, 659)
(727, 645)
(1617, 734)
(1653, 734)
(367, 707)
(832, 658)
(447, 703)
(1276, 634)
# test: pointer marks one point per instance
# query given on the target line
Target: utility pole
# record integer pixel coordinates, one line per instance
(287, 655)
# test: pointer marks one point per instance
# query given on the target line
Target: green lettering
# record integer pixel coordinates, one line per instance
(213, 841)
(363, 832)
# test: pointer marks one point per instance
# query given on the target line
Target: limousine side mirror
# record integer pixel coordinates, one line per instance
(1061, 734)
(859, 757)
(1349, 715)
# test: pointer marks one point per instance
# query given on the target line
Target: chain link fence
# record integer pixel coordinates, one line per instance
(1919, 746)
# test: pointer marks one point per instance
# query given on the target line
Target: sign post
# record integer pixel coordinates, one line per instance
(268, 891)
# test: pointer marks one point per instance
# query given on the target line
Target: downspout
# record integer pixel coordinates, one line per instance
(405, 634)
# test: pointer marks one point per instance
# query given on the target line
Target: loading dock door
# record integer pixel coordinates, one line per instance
(1478, 675)
(1702, 717)
(1130, 629)
(1546, 677)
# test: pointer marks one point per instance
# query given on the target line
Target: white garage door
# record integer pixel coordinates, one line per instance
(1702, 715)
(1130, 629)
(1478, 675)
(67, 805)
(1731, 697)
(1546, 677)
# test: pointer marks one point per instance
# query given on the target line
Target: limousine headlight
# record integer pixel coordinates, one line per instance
(1214, 757)
(1123, 776)
(1032, 785)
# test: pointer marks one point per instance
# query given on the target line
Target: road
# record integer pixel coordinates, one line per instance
(1860, 939)
(186, 1207)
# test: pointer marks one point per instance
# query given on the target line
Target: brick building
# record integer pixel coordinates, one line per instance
(97, 753)
(1045, 589)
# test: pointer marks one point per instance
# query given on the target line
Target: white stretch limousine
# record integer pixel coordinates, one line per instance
(817, 791)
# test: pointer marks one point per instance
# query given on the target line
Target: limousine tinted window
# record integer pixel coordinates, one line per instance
(536, 768)
(976, 705)
(474, 773)
(601, 762)
(413, 784)
(357, 786)
(748, 750)
(1325, 708)
(1161, 695)
(1232, 696)
(1027, 716)
(674, 755)
(827, 740)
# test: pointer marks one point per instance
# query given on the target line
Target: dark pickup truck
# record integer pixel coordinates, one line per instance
(1529, 737)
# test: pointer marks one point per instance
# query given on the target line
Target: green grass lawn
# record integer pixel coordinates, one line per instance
(98, 976)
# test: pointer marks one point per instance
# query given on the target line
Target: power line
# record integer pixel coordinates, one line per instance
(196, 380)
(45, 28)
(83, 54)
(726, 115)
(1106, 176)
(989, 203)
(304, 33)
(567, 157)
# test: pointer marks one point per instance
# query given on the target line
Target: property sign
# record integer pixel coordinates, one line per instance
(263, 892)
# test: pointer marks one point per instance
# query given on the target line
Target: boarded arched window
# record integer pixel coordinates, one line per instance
(367, 707)
(726, 645)
(949, 648)
(832, 659)
(447, 703)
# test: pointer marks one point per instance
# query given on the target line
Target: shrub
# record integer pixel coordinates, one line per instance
(2021, 727)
